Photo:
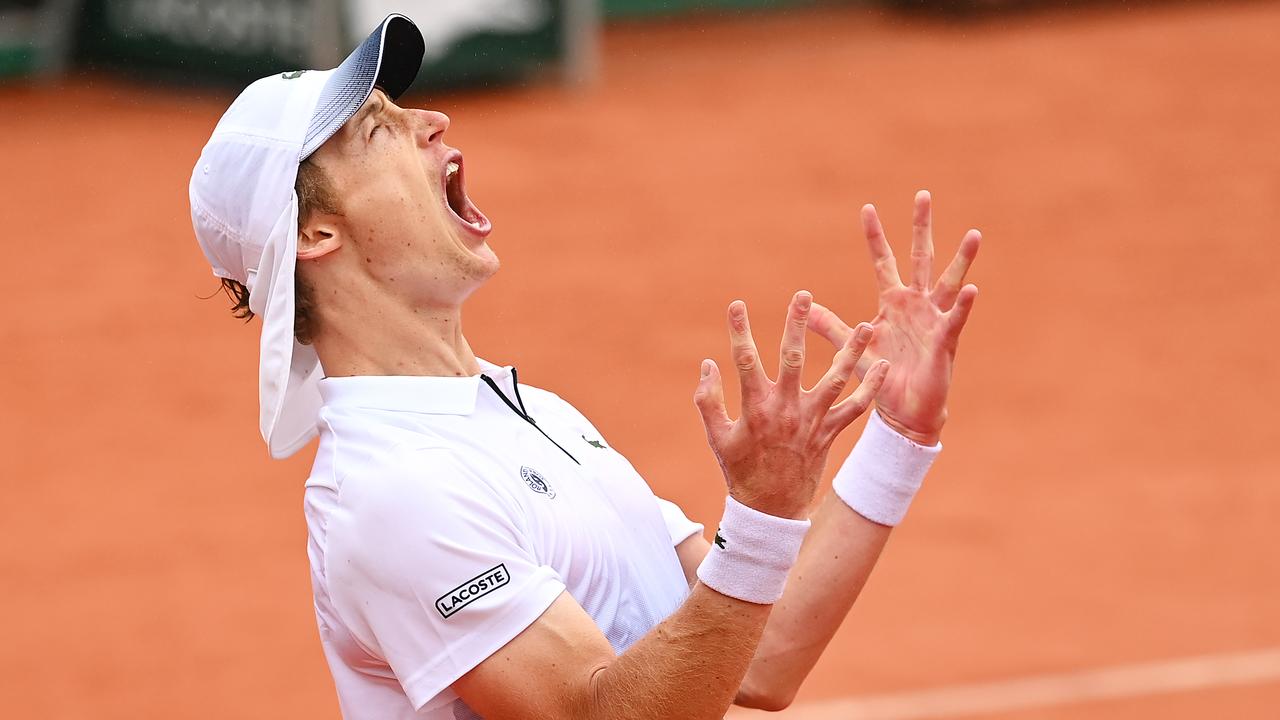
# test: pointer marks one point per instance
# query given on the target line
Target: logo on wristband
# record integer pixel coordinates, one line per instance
(719, 539)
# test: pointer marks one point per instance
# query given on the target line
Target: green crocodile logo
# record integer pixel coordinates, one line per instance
(292, 75)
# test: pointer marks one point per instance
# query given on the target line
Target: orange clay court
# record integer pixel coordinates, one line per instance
(1099, 539)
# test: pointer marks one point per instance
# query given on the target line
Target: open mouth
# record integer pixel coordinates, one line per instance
(455, 194)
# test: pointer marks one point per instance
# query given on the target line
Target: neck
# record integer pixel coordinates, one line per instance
(390, 339)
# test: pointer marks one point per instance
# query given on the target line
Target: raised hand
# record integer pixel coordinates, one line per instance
(772, 456)
(917, 326)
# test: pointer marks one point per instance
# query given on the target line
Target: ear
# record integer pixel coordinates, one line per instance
(318, 236)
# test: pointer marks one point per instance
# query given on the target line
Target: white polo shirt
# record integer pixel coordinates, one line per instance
(442, 522)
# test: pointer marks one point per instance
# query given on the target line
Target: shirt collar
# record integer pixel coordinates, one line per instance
(433, 395)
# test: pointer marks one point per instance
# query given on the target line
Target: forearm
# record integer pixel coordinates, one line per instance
(835, 561)
(692, 664)
(879, 479)
(689, 666)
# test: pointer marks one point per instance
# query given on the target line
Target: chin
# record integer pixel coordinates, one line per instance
(480, 263)
(479, 256)
(475, 250)
(491, 267)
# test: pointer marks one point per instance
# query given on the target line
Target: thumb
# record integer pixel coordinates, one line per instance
(709, 398)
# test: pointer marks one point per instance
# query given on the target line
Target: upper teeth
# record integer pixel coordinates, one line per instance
(451, 168)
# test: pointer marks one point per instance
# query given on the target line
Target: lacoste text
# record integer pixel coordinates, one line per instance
(473, 589)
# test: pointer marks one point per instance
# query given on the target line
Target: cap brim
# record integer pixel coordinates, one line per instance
(389, 58)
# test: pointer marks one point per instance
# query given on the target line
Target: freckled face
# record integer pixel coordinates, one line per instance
(404, 208)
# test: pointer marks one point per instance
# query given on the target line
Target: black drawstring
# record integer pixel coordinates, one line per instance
(515, 383)
(521, 411)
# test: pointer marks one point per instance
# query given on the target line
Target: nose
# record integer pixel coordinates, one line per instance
(431, 125)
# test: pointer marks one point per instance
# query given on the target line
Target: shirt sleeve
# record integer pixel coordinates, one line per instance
(432, 570)
(679, 526)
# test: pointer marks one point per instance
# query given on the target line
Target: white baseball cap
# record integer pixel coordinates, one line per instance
(245, 211)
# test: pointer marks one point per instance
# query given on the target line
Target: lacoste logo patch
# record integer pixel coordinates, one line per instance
(596, 443)
(472, 590)
(292, 75)
(720, 541)
(536, 483)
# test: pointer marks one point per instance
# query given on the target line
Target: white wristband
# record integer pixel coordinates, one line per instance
(752, 554)
(883, 473)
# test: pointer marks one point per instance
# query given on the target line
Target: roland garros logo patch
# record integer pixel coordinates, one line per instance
(535, 481)
(473, 589)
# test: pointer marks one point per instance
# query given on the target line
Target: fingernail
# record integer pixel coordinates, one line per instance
(706, 368)
(804, 298)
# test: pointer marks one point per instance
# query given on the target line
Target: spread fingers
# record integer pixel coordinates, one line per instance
(829, 388)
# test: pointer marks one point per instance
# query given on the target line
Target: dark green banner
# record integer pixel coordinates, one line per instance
(468, 41)
(237, 40)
